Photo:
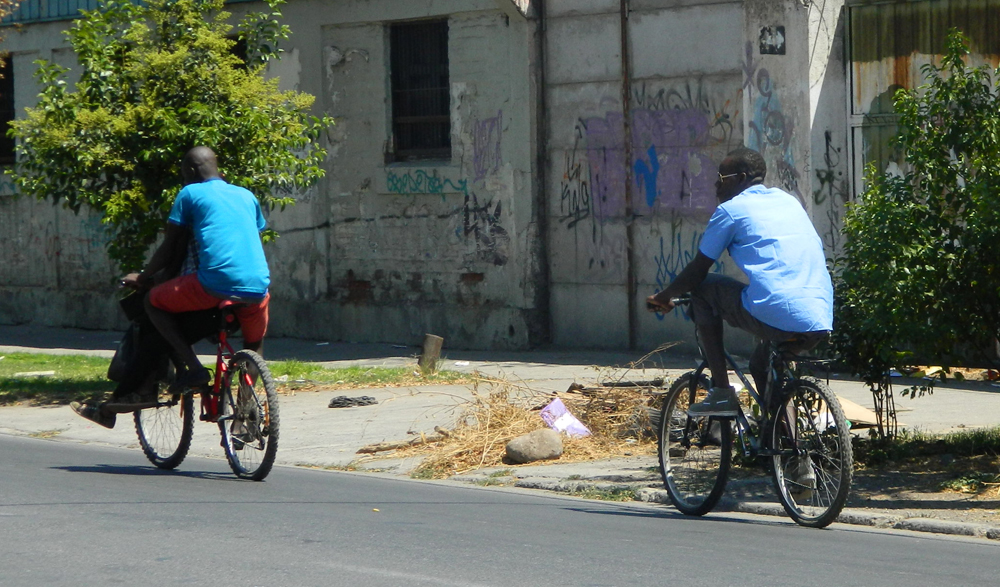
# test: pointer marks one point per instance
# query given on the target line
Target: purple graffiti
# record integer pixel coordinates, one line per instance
(671, 165)
(486, 138)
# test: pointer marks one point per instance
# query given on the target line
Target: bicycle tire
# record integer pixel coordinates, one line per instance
(165, 430)
(249, 425)
(821, 430)
(695, 453)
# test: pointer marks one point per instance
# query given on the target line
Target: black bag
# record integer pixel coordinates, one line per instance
(125, 354)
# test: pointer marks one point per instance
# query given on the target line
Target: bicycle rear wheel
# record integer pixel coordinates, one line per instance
(165, 430)
(814, 464)
(695, 453)
(249, 424)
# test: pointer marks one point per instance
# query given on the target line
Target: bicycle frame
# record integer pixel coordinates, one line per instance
(210, 399)
(778, 372)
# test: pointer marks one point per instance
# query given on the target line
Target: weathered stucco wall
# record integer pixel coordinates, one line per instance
(703, 78)
(376, 251)
(473, 248)
(397, 250)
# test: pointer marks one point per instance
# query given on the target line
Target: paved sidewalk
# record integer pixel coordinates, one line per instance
(314, 435)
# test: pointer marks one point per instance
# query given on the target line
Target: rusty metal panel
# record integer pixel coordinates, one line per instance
(889, 44)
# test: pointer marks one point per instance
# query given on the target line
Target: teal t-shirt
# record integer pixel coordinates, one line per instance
(771, 238)
(226, 221)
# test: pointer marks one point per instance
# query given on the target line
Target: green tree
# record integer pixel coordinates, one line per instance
(920, 273)
(155, 80)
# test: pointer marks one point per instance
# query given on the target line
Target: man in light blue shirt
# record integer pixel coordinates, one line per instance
(790, 295)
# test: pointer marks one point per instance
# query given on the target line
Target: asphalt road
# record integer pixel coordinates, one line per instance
(76, 515)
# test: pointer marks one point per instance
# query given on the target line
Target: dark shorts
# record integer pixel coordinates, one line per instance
(720, 298)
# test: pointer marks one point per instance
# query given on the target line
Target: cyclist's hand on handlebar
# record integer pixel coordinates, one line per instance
(655, 305)
(134, 281)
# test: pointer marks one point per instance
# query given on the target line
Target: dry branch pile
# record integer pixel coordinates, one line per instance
(617, 417)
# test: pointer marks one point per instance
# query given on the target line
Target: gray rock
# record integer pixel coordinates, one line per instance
(535, 446)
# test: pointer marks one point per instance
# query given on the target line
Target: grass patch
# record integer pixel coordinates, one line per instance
(915, 444)
(76, 377)
(308, 375)
(973, 482)
(79, 377)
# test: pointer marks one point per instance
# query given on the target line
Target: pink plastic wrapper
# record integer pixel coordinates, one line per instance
(559, 418)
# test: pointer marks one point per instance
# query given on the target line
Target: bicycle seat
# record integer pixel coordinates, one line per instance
(792, 349)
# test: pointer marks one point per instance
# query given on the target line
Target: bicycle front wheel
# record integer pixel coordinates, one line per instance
(695, 452)
(813, 461)
(165, 430)
(249, 423)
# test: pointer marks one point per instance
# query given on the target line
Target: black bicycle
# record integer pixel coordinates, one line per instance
(797, 427)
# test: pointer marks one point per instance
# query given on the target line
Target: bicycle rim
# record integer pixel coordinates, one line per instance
(249, 424)
(695, 453)
(814, 466)
(165, 430)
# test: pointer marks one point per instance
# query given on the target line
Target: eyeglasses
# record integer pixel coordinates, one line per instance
(722, 178)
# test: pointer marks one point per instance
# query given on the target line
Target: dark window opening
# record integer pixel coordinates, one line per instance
(6, 110)
(239, 49)
(421, 96)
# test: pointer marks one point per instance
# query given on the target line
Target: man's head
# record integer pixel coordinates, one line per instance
(740, 169)
(199, 165)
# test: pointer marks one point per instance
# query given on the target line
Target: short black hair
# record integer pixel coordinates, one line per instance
(748, 161)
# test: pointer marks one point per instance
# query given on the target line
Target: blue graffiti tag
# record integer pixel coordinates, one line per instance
(669, 266)
(646, 174)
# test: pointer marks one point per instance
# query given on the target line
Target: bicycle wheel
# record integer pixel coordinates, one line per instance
(814, 464)
(249, 424)
(165, 430)
(695, 453)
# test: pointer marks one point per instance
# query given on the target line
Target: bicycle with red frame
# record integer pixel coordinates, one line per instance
(241, 399)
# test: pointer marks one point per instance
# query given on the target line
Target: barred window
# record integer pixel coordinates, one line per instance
(421, 97)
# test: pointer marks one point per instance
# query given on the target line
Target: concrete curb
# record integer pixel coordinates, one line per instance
(644, 493)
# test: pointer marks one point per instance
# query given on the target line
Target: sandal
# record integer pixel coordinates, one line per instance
(131, 402)
(94, 414)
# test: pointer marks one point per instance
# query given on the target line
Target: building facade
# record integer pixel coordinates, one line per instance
(510, 173)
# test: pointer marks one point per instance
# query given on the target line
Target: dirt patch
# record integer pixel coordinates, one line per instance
(916, 488)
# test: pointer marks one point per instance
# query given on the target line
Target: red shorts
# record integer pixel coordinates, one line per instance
(185, 294)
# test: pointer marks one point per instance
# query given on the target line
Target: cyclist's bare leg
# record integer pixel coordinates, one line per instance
(710, 335)
(257, 347)
(166, 323)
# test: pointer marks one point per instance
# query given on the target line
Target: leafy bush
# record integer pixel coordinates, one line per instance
(920, 274)
(157, 79)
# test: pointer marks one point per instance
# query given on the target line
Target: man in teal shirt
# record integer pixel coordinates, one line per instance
(772, 240)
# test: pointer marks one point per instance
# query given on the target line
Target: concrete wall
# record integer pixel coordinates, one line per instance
(376, 251)
(485, 249)
(703, 77)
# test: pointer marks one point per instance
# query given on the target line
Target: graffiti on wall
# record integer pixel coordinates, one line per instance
(832, 192)
(482, 222)
(670, 169)
(421, 182)
(487, 135)
(771, 131)
(670, 263)
(574, 188)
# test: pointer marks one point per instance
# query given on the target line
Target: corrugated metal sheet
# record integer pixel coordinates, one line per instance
(889, 43)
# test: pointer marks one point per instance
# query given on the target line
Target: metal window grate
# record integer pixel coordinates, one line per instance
(6, 111)
(421, 97)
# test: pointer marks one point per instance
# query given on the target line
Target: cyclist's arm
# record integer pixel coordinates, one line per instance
(690, 277)
(175, 239)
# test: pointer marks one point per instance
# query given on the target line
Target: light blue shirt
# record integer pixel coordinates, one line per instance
(771, 238)
(226, 221)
